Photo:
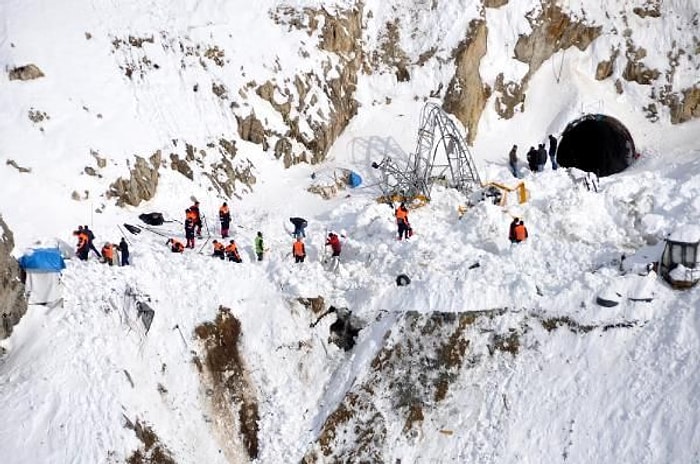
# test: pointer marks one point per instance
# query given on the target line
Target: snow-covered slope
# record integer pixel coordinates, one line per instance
(493, 353)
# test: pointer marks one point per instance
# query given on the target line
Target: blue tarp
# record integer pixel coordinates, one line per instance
(43, 260)
(354, 180)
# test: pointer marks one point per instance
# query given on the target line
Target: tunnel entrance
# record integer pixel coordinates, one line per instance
(596, 143)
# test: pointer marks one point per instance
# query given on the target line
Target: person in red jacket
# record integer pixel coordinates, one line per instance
(298, 251)
(334, 242)
(232, 252)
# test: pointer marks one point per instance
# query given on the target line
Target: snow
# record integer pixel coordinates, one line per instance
(64, 388)
(686, 234)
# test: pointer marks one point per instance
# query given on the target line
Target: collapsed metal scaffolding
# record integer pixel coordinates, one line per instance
(441, 155)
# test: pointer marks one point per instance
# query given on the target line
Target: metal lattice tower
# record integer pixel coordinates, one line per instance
(441, 154)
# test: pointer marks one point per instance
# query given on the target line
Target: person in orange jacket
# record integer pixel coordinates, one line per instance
(197, 217)
(83, 247)
(176, 246)
(518, 231)
(108, 253)
(404, 228)
(232, 252)
(225, 219)
(298, 251)
(218, 249)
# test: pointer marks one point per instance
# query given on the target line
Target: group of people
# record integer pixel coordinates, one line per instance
(536, 158)
(110, 252)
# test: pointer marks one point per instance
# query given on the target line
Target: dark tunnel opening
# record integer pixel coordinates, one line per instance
(596, 143)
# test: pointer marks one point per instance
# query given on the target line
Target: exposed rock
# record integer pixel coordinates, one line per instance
(510, 96)
(552, 30)
(224, 175)
(219, 90)
(636, 70)
(141, 185)
(389, 53)
(605, 68)
(25, 73)
(233, 398)
(687, 108)
(251, 129)
(13, 305)
(422, 357)
(283, 147)
(90, 171)
(495, 3)
(37, 116)
(181, 166)
(267, 92)
(651, 9)
(101, 162)
(317, 305)
(14, 164)
(466, 94)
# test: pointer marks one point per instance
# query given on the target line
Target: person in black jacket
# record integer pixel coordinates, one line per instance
(532, 159)
(124, 250)
(553, 151)
(91, 239)
(299, 226)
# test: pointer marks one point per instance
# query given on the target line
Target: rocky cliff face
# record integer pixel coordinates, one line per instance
(12, 302)
(297, 114)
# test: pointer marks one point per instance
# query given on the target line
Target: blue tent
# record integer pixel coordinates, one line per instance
(354, 179)
(43, 260)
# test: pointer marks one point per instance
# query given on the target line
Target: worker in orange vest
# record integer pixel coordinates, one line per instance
(218, 249)
(83, 247)
(232, 252)
(298, 251)
(401, 214)
(518, 231)
(108, 253)
(176, 246)
(197, 217)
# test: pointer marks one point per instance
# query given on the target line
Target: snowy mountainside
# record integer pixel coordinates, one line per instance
(493, 353)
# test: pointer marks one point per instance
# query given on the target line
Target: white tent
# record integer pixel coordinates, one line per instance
(43, 268)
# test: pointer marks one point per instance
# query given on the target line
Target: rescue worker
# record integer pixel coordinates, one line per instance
(259, 246)
(334, 242)
(401, 214)
(176, 246)
(82, 249)
(225, 219)
(298, 251)
(218, 249)
(124, 250)
(108, 254)
(532, 159)
(541, 157)
(197, 218)
(518, 231)
(553, 151)
(189, 229)
(91, 238)
(232, 252)
(299, 226)
(513, 160)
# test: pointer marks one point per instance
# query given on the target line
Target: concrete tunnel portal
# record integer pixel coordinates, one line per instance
(596, 143)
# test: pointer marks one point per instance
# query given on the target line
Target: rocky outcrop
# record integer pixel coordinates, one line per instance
(13, 305)
(141, 184)
(340, 34)
(252, 130)
(26, 73)
(466, 95)
(553, 30)
(686, 108)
